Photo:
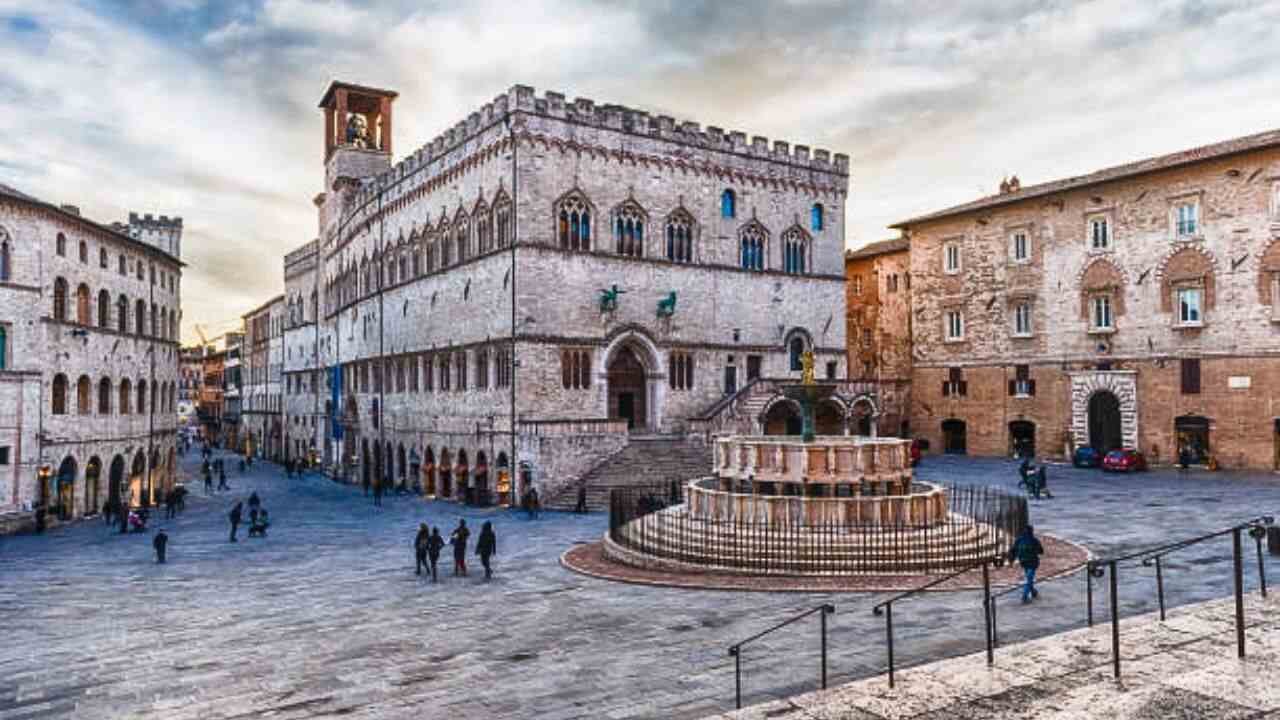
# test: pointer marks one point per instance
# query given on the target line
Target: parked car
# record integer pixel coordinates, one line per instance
(1086, 457)
(915, 451)
(1124, 460)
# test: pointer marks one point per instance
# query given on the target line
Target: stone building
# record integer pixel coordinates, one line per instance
(261, 400)
(88, 361)
(878, 313)
(210, 408)
(1136, 306)
(232, 382)
(550, 278)
(304, 408)
(190, 380)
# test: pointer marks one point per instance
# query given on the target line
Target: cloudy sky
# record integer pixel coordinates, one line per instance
(208, 109)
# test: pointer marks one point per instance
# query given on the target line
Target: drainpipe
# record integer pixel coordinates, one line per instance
(513, 464)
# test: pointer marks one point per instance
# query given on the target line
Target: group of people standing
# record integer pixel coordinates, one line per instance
(259, 518)
(428, 543)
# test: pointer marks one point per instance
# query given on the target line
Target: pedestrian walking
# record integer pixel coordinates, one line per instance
(106, 511)
(255, 502)
(487, 547)
(434, 546)
(365, 482)
(241, 466)
(420, 543)
(235, 519)
(581, 507)
(459, 542)
(534, 502)
(377, 493)
(222, 480)
(160, 542)
(1027, 551)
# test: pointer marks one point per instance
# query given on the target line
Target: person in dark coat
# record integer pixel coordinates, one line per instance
(160, 541)
(222, 480)
(235, 520)
(365, 483)
(254, 501)
(581, 507)
(487, 547)
(420, 543)
(459, 542)
(434, 546)
(377, 493)
(107, 507)
(1027, 551)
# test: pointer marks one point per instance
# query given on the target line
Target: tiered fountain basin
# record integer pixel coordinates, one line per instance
(922, 504)
(830, 466)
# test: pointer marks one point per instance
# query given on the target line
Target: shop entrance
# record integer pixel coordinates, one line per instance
(955, 437)
(1192, 432)
(1022, 439)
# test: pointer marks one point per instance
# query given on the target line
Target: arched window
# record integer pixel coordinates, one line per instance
(122, 314)
(628, 230)
(390, 263)
(102, 258)
(155, 321)
(173, 324)
(104, 309)
(752, 246)
(573, 217)
(417, 260)
(446, 248)
(796, 351)
(6, 269)
(59, 394)
(429, 251)
(82, 304)
(484, 228)
(62, 245)
(59, 299)
(816, 219)
(104, 396)
(575, 369)
(124, 265)
(142, 396)
(84, 389)
(502, 219)
(140, 318)
(728, 204)
(680, 236)
(126, 389)
(84, 252)
(795, 251)
(482, 369)
(461, 233)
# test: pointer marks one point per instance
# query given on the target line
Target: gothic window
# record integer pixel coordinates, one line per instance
(680, 371)
(446, 367)
(446, 251)
(155, 324)
(142, 396)
(461, 234)
(795, 251)
(628, 230)
(124, 265)
(398, 364)
(375, 370)
(795, 350)
(680, 236)
(59, 395)
(140, 318)
(574, 223)
(816, 219)
(126, 394)
(752, 242)
(62, 245)
(482, 369)
(82, 304)
(104, 396)
(84, 252)
(460, 361)
(411, 364)
(503, 361)
(502, 219)
(417, 261)
(484, 229)
(59, 299)
(404, 266)
(122, 314)
(728, 204)
(390, 263)
(575, 369)
(6, 270)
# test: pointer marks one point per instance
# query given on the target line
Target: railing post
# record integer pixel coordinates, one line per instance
(986, 611)
(1115, 623)
(1258, 534)
(995, 636)
(888, 629)
(1238, 573)
(1088, 589)
(1160, 588)
(736, 652)
(825, 609)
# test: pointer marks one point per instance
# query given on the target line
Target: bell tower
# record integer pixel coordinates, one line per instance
(357, 143)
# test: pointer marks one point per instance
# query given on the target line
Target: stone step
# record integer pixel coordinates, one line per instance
(646, 460)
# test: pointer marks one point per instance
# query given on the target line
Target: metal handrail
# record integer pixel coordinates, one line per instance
(1150, 556)
(885, 607)
(735, 650)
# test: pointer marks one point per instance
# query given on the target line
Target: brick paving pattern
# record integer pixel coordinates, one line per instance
(325, 617)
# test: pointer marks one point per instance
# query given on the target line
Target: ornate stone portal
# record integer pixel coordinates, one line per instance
(1123, 384)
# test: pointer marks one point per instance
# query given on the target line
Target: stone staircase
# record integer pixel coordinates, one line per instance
(646, 460)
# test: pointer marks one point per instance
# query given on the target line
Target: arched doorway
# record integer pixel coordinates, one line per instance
(504, 480)
(783, 418)
(446, 475)
(66, 480)
(365, 462)
(481, 474)
(115, 481)
(955, 439)
(628, 389)
(1022, 439)
(137, 476)
(92, 497)
(155, 478)
(828, 418)
(429, 473)
(1192, 433)
(1104, 422)
(862, 421)
(462, 478)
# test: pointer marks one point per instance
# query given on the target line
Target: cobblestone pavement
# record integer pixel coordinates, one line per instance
(325, 617)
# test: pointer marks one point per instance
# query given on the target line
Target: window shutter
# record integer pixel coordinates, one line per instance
(946, 388)
(964, 388)
(1013, 387)
(1031, 387)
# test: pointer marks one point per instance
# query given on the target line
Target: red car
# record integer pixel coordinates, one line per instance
(1124, 460)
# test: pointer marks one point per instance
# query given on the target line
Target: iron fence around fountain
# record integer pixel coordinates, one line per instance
(651, 521)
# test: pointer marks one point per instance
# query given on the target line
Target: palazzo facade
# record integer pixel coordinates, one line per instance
(1137, 306)
(89, 359)
(545, 280)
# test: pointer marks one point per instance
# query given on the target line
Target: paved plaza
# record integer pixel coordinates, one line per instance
(326, 618)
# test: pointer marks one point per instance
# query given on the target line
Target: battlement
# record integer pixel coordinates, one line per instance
(523, 98)
(303, 252)
(153, 223)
